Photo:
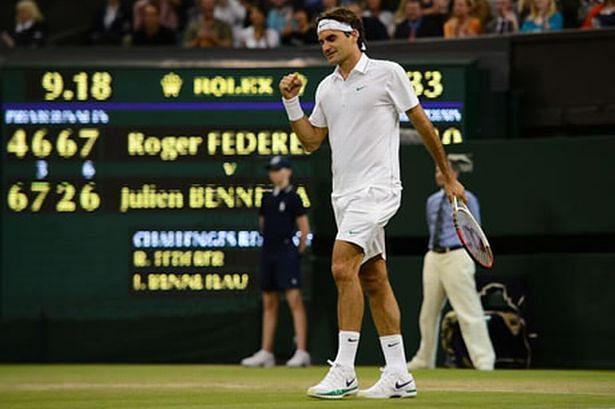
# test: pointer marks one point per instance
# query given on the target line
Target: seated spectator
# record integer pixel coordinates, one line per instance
(152, 32)
(506, 20)
(400, 13)
(232, 12)
(322, 5)
(206, 30)
(482, 11)
(168, 13)
(374, 9)
(543, 17)
(523, 9)
(439, 12)
(416, 25)
(257, 35)
(30, 29)
(280, 16)
(606, 17)
(374, 29)
(592, 9)
(111, 24)
(462, 24)
(304, 33)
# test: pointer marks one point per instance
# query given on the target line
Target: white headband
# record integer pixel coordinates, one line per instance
(330, 24)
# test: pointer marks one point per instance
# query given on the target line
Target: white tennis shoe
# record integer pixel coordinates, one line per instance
(393, 383)
(300, 359)
(340, 381)
(261, 358)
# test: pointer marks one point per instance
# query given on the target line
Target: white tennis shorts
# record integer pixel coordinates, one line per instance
(361, 217)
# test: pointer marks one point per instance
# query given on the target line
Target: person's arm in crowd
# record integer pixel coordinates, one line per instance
(556, 22)
(7, 39)
(191, 35)
(224, 38)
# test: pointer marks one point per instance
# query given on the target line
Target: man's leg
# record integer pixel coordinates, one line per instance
(271, 303)
(345, 265)
(434, 299)
(341, 379)
(395, 380)
(458, 279)
(297, 308)
(375, 282)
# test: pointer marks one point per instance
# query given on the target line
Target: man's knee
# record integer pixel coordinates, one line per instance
(343, 272)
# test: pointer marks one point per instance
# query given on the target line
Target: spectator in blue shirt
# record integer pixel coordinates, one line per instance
(543, 17)
(448, 272)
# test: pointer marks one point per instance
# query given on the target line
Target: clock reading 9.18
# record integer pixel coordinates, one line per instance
(81, 87)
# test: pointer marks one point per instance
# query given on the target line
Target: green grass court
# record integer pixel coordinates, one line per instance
(206, 386)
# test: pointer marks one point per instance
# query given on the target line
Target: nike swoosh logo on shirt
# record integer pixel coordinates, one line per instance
(399, 386)
(349, 382)
(360, 88)
(393, 344)
(353, 340)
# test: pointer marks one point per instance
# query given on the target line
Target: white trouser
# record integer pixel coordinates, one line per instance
(452, 275)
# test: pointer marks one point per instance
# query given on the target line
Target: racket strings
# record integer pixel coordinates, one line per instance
(474, 239)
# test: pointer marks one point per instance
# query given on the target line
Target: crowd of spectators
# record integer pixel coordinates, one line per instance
(273, 23)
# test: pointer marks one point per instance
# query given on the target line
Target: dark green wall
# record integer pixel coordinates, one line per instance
(556, 188)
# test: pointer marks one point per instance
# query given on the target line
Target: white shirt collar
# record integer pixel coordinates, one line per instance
(360, 66)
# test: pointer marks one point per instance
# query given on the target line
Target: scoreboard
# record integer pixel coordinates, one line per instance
(125, 187)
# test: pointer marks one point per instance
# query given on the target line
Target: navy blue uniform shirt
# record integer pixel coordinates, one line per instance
(280, 210)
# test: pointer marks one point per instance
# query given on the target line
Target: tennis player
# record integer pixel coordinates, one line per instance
(358, 106)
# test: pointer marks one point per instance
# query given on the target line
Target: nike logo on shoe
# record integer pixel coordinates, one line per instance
(401, 385)
(393, 344)
(350, 382)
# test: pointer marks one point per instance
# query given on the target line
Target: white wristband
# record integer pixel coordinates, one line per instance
(293, 108)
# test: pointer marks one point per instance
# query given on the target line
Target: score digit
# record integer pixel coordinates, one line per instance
(101, 86)
(53, 83)
(17, 199)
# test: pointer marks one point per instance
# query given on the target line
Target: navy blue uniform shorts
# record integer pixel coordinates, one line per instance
(279, 269)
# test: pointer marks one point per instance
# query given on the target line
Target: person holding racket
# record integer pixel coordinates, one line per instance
(448, 272)
(358, 107)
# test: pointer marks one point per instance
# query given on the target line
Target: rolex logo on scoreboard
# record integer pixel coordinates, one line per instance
(171, 85)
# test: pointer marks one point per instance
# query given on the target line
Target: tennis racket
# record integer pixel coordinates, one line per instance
(471, 235)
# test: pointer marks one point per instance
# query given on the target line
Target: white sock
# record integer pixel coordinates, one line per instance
(347, 348)
(393, 349)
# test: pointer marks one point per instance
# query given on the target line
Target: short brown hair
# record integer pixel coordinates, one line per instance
(344, 15)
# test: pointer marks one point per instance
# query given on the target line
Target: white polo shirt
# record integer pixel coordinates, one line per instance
(362, 115)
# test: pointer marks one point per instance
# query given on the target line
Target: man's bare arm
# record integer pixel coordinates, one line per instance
(310, 136)
(432, 142)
